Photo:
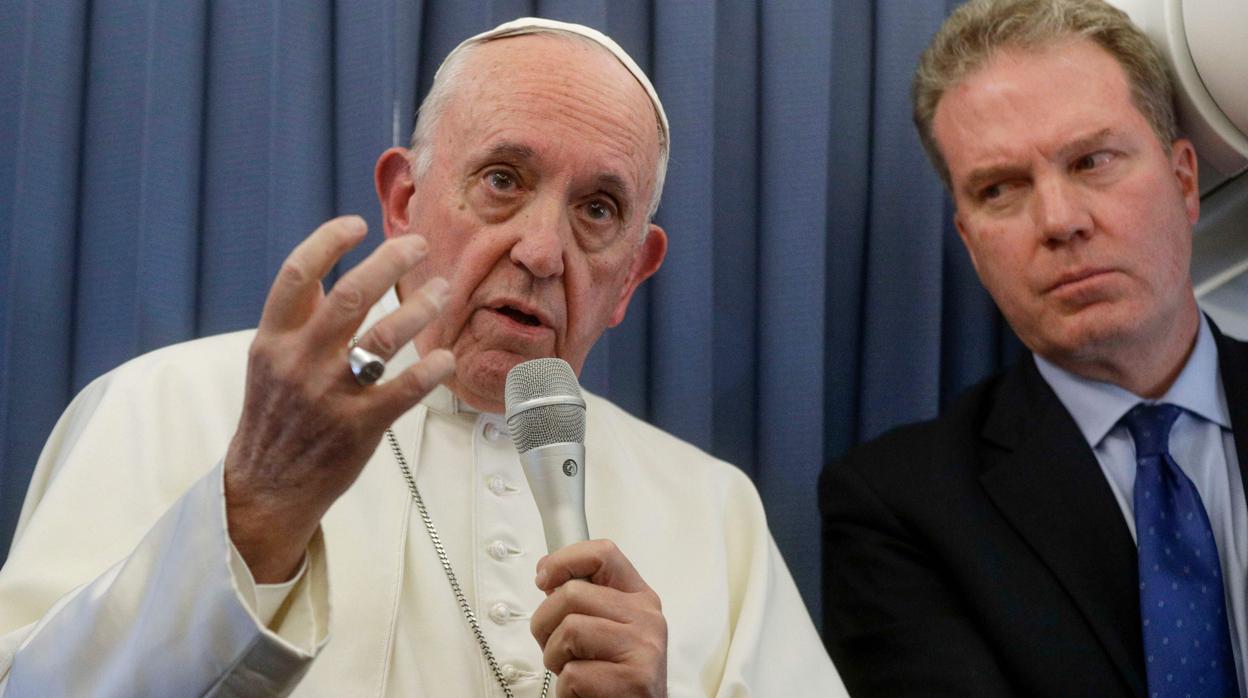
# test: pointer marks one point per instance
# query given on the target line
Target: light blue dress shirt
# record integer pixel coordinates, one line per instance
(1202, 444)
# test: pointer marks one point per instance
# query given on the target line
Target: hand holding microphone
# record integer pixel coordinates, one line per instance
(601, 627)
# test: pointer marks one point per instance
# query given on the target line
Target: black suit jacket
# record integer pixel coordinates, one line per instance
(983, 553)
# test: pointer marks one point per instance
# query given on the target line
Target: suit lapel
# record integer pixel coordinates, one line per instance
(1233, 366)
(1041, 474)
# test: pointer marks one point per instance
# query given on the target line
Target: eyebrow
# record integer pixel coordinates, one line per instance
(618, 188)
(1085, 143)
(610, 182)
(985, 175)
(509, 151)
(992, 173)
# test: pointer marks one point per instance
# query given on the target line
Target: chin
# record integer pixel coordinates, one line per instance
(1088, 336)
(487, 397)
(481, 380)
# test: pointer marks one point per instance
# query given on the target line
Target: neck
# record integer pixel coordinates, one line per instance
(1146, 367)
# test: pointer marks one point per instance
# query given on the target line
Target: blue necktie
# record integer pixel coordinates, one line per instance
(1187, 643)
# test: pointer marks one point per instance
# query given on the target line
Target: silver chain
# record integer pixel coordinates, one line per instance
(464, 606)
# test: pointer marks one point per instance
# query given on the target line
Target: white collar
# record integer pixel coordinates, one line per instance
(1097, 406)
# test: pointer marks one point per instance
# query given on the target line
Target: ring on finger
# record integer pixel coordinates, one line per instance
(366, 366)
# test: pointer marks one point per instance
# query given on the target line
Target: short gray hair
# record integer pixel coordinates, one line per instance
(978, 30)
(448, 79)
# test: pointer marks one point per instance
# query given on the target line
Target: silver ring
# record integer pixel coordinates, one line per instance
(366, 366)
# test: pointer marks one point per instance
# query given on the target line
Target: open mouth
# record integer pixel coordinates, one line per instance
(519, 316)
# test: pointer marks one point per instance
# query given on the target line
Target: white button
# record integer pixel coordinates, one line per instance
(499, 613)
(497, 550)
(498, 485)
(492, 431)
(509, 672)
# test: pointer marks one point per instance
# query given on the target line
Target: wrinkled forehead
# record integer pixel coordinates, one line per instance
(537, 66)
(540, 26)
(1028, 97)
(556, 95)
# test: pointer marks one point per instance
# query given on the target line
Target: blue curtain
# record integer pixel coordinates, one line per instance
(158, 160)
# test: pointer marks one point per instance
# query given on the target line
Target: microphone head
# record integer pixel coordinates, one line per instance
(544, 404)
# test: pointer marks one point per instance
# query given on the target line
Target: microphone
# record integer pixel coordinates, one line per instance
(546, 418)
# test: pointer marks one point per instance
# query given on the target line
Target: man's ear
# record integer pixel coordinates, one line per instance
(646, 260)
(393, 178)
(1183, 162)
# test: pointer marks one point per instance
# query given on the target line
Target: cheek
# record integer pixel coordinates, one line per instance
(1003, 267)
(1175, 271)
(1158, 239)
(588, 308)
(462, 259)
(593, 292)
(998, 262)
(463, 252)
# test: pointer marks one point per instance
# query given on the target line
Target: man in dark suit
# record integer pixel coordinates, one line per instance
(1076, 526)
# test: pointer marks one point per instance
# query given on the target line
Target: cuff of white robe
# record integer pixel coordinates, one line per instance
(296, 612)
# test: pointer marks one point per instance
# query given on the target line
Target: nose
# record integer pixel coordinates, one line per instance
(1060, 211)
(540, 239)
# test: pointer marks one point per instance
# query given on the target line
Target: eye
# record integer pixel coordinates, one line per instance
(997, 191)
(500, 180)
(599, 222)
(600, 211)
(1092, 161)
(1001, 194)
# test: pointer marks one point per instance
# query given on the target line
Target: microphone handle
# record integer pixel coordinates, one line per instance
(556, 475)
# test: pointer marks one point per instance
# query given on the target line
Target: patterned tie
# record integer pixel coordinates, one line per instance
(1187, 643)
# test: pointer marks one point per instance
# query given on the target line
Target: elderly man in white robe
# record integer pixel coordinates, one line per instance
(306, 561)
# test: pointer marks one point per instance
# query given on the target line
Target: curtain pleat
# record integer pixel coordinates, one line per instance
(682, 343)
(903, 269)
(370, 41)
(49, 42)
(792, 245)
(159, 160)
(138, 228)
(733, 173)
(848, 204)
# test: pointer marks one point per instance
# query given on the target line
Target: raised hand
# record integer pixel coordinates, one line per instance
(601, 627)
(307, 426)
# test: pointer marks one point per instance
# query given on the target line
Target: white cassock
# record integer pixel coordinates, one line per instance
(122, 582)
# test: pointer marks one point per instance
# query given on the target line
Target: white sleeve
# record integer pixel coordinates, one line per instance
(266, 600)
(775, 649)
(170, 619)
(120, 579)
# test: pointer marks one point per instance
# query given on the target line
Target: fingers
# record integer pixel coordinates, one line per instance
(297, 287)
(579, 597)
(586, 637)
(599, 561)
(307, 427)
(396, 329)
(604, 642)
(596, 679)
(355, 293)
(396, 396)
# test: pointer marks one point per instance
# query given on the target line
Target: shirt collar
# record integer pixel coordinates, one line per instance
(1097, 406)
(440, 399)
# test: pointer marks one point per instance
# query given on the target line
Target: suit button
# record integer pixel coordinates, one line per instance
(498, 550)
(499, 613)
(492, 432)
(498, 485)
